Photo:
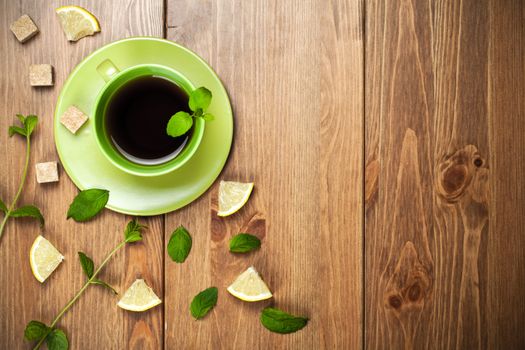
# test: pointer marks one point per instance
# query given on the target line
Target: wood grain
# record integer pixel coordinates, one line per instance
(439, 116)
(94, 322)
(298, 136)
(385, 140)
(505, 265)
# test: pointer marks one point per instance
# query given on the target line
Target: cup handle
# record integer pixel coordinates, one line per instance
(107, 70)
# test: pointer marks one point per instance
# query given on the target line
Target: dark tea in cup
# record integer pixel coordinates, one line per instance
(136, 117)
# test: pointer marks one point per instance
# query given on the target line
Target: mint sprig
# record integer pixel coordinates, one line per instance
(54, 337)
(181, 122)
(26, 128)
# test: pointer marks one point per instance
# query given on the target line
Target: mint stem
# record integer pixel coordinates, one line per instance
(15, 200)
(79, 293)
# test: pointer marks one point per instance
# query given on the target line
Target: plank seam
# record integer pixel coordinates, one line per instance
(163, 260)
(363, 181)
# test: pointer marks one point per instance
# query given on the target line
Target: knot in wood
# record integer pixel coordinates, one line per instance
(411, 283)
(218, 228)
(395, 301)
(455, 173)
(255, 225)
(414, 292)
(454, 179)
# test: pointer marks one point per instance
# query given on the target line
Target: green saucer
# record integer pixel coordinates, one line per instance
(129, 194)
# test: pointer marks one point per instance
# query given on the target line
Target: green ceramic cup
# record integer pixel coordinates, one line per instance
(115, 79)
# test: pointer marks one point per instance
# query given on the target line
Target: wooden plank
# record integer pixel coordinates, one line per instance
(438, 121)
(298, 136)
(341, 174)
(94, 322)
(505, 265)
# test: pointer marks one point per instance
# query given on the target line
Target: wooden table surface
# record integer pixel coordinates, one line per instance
(386, 141)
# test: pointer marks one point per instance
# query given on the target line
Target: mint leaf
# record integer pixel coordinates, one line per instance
(3, 207)
(30, 123)
(179, 124)
(135, 237)
(179, 245)
(29, 211)
(21, 118)
(243, 243)
(104, 284)
(132, 233)
(57, 340)
(208, 117)
(200, 98)
(35, 330)
(16, 130)
(87, 204)
(203, 302)
(279, 321)
(87, 264)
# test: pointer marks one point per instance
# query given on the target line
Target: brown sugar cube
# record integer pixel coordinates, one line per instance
(41, 75)
(24, 28)
(46, 172)
(73, 119)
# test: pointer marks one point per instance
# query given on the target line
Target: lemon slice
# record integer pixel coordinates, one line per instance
(44, 258)
(249, 286)
(232, 196)
(77, 22)
(139, 297)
